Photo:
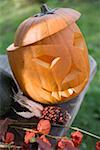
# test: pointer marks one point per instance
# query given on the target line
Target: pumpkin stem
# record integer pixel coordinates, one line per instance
(45, 10)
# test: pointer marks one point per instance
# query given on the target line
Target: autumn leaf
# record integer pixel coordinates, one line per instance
(70, 148)
(4, 126)
(43, 145)
(66, 144)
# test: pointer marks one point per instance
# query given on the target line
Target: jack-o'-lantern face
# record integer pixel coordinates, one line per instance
(50, 64)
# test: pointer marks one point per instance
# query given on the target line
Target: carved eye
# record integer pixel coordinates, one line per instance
(78, 40)
(46, 58)
(47, 61)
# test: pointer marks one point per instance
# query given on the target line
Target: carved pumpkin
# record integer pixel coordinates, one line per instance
(49, 57)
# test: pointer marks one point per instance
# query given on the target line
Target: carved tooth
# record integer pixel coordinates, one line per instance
(54, 62)
(70, 91)
(65, 94)
(60, 94)
(56, 95)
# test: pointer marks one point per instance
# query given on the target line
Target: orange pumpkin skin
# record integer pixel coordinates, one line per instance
(53, 66)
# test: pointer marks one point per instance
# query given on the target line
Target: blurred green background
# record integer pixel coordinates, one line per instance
(13, 12)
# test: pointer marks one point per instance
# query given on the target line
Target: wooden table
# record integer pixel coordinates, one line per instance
(71, 106)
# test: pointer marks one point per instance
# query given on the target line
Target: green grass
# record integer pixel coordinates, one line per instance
(10, 17)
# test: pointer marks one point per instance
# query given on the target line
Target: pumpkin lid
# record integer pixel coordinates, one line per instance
(42, 25)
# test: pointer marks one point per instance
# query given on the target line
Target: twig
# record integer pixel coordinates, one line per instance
(31, 130)
(25, 129)
(9, 146)
(64, 126)
(86, 132)
(78, 129)
(24, 123)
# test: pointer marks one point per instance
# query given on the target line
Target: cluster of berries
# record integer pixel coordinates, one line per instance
(55, 115)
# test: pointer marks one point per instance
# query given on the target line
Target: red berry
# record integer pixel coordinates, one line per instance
(9, 137)
(44, 126)
(77, 138)
(65, 143)
(98, 145)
